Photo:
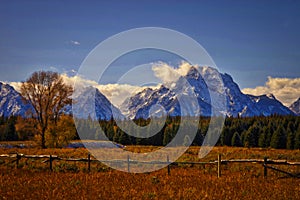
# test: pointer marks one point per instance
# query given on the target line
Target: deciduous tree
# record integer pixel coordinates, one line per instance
(48, 95)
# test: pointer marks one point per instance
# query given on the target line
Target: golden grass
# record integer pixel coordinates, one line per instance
(72, 181)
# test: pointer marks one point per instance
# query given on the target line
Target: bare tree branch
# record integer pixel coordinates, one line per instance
(48, 95)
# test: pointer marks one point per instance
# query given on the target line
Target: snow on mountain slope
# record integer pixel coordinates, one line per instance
(295, 107)
(238, 104)
(268, 105)
(169, 98)
(202, 91)
(216, 85)
(104, 110)
(11, 102)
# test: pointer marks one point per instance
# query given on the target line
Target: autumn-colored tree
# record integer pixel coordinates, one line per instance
(48, 95)
(58, 135)
(26, 128)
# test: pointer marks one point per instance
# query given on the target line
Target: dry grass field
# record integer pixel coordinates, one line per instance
(70, 180)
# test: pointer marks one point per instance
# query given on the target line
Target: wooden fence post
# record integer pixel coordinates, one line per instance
(265, 167)
(50, 162)
(89, 162)
(17, 161)
(169, 169)
(219, 165)
(128, 164)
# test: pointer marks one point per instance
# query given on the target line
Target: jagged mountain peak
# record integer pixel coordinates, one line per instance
(268, 105)
(295, 107)
(266, 97)
(11, 101)
(206, 81)
(203, 82)
(193, 71)
(84, 101)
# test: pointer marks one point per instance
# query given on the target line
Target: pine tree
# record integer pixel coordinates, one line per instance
(236, 140)
(10, 133)
(225, 137)
(297, 139)
(252, 136)
(2, 120)
(167, 136)
(278, 140)
(198, 138)
(124, 139)
(186, 141)
(262, 141)
(269, 133)
(290, 142)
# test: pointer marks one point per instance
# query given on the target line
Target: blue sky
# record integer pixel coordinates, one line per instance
(250, 40)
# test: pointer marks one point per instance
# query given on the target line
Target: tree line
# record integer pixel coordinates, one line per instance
(280, 132)
(47, 124)
(17, 128)
(48, 96)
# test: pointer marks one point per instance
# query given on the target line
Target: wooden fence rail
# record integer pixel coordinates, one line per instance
(50, 158)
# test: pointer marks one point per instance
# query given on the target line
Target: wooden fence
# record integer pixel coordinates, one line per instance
(266, 163)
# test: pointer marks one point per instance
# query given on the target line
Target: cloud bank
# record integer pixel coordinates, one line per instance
(117, 93)
(286, 90)
(15, 85)
(167, 73)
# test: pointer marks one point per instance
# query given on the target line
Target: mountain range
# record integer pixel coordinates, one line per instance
(202, 83)
(237, 103)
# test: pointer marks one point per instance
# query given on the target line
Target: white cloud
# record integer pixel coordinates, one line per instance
(74, 42)
(81, 82)
(168, 73)
(286, 90)
(117, 93)
(15, 85)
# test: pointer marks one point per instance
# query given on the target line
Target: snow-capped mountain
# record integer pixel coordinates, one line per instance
(11, 102)
(104, 110)
(295, 107)
(237, 103)
(217, 85)
(268, 104)
(204, 88)
(139, 105)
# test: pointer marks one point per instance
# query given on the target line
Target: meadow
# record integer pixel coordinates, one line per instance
(71, 180)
